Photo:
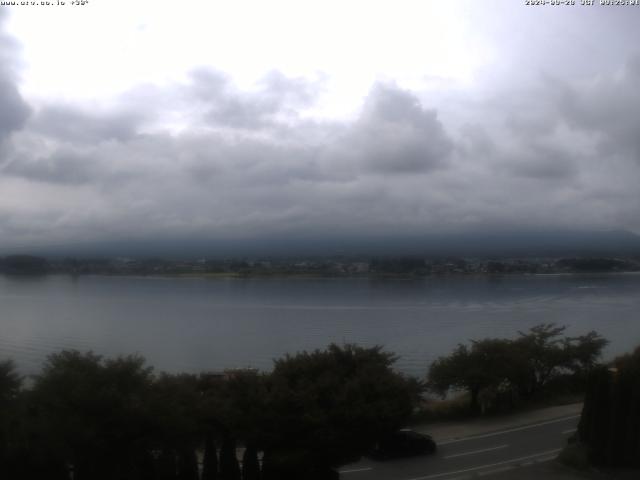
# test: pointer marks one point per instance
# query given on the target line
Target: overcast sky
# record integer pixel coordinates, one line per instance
(237, 119)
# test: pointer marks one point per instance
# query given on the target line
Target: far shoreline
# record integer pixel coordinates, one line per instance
(311, 276)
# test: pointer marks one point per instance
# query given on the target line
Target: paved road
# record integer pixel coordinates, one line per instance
(479, 455)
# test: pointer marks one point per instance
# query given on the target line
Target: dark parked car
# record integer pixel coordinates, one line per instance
(403, 443)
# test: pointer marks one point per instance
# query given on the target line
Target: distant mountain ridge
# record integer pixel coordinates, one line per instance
(469, 244)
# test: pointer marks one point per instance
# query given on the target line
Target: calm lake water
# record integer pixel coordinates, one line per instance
(195, 324)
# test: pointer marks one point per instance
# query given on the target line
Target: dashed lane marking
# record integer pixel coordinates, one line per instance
(355, 470)
(490, 465)
(516, 429)
(506, 468)
(475, 451)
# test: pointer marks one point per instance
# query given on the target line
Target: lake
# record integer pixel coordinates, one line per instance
(196, 324)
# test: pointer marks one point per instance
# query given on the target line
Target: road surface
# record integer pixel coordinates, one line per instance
(474, 456)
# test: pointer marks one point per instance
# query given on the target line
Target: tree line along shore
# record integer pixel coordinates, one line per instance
(389, 266)
(84, 416)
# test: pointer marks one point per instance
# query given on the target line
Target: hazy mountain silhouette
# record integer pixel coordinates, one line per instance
(498, 243)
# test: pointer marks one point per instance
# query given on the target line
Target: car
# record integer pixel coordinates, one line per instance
(403, 443)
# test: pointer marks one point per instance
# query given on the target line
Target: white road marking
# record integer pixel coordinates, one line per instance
(475, 451)
(481, 467)
(545, 459)
(517, 429)
(567, 432)
(496, 470)
(354, 470)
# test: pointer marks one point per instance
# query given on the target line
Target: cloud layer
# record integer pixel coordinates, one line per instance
(205, 157)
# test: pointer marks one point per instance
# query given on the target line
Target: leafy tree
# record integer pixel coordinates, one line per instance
(550, 355)
(210, 459)
(523, 366)
(584, 351)
(176, 429)
(10, 381)
(92, 412)
(610, 423)
(187, 464)
(112, 419)
(174, 404)
(327, 408)
(250, 464)
(10, 384)
(167, 465)
(545, 352)
(229, 467)
(236, 406)
(232, 408)
(486, 363)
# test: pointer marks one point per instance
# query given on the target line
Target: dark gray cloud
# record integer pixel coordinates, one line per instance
(64, 167)
(545, 138)
(475, 140)
(14, 111)
(544, 163)
(76, 125)
(225, 105)
(395, 167)
(395, 134)
(607, 106)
